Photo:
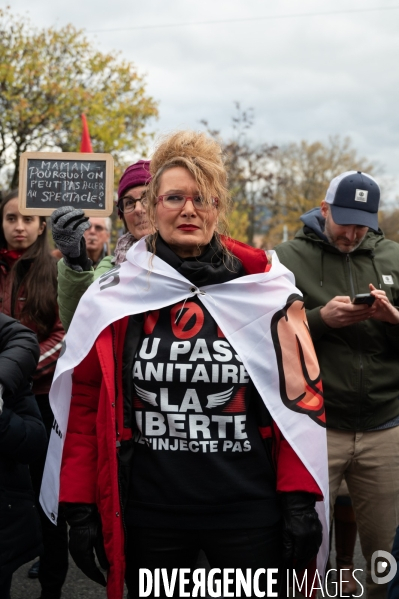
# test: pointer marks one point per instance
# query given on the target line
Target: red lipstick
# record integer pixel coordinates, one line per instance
(188, 228)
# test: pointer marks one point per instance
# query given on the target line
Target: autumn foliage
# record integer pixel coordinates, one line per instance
(48, 77)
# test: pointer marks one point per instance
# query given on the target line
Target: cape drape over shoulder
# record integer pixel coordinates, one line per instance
(262, 317)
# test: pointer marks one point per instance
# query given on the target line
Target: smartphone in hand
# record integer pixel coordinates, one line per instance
(364, 298)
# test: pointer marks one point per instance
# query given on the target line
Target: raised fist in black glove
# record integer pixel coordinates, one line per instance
(303, 532)
(68, 226)
(85, 537)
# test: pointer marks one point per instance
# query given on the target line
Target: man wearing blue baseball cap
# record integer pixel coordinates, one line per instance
(341, 253)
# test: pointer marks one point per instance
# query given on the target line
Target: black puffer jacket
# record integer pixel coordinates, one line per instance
(22, 440)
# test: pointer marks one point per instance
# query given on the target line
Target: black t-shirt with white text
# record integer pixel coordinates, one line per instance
(199, 460)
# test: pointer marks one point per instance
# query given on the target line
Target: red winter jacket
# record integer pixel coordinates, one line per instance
(89, 471)
(51, 346)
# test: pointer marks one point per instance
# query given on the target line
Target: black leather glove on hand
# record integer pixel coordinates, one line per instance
(85, 535)
(303, 532)
(68, 225)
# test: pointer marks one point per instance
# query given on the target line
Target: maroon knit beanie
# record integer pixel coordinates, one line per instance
(135, 175)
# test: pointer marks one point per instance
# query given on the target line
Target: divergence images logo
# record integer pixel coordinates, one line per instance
(386, 564)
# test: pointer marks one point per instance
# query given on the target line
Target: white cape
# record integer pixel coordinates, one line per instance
(243, 308)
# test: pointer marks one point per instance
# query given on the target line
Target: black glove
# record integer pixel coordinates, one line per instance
(68, 226)
(85, 534)
(303, 532)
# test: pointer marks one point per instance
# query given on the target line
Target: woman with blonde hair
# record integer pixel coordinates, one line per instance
(170, 446)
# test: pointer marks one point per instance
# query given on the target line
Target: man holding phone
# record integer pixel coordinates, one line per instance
(339, 254)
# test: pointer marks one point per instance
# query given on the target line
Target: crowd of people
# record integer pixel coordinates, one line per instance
(208, 396)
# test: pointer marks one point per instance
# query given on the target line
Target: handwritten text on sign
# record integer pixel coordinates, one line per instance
(52, 183)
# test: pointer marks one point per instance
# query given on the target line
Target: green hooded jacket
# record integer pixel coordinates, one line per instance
(72, 285)
(359, 363)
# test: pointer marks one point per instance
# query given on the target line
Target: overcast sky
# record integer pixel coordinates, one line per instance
(306, 78)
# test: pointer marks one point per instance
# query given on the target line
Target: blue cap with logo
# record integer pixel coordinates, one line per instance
(354, 198)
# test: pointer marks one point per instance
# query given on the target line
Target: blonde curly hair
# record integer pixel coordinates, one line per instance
(202, 157)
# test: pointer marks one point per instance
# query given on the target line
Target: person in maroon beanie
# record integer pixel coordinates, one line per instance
(75, 271)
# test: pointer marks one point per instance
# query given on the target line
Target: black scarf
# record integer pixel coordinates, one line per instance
(213, 266)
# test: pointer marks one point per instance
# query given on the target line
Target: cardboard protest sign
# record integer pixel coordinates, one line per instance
(48, 180)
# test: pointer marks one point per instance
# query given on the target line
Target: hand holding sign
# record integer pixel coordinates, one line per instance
(68, 227)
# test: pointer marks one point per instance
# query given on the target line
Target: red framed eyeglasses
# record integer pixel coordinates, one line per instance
(177, 201)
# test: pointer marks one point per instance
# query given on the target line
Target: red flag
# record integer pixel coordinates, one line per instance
(85, 144)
